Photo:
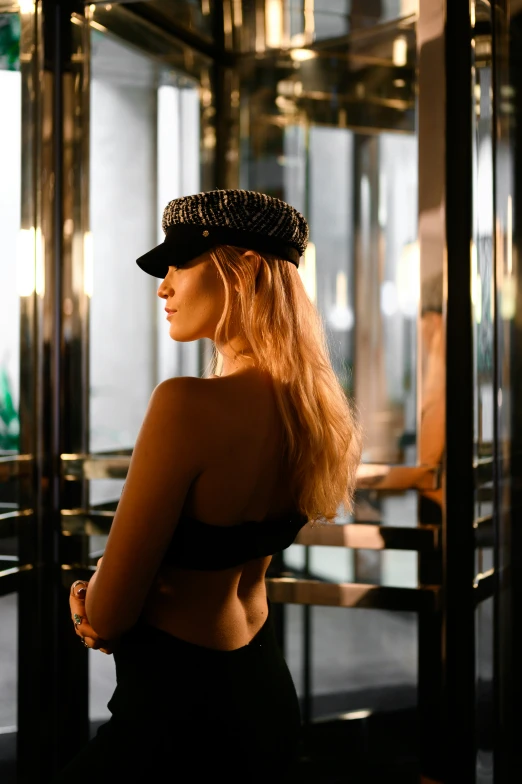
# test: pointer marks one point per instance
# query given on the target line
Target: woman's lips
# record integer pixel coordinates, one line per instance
(171, 313)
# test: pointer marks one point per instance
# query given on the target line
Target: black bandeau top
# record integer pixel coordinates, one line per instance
(199, 545)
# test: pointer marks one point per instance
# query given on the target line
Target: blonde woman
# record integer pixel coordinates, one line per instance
(225, 471)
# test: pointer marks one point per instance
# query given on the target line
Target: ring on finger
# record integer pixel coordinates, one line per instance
(77, 619)
(85, 583)
(84, 643)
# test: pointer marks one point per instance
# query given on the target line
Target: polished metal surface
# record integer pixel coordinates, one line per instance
(370, 476)
(371, 537)
(15, 467)
(313, 592)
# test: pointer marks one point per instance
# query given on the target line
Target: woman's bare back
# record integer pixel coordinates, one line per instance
(244, 479)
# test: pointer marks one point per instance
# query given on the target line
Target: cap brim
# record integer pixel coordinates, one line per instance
(156, 262)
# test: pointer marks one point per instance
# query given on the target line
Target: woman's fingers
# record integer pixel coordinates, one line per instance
(83, 628)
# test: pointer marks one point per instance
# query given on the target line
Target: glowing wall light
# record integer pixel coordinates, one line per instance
(408, 279)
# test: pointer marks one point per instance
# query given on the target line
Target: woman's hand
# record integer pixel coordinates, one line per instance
(83, 629)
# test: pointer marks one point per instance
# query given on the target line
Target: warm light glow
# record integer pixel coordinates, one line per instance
(400, 51)
(340, 316)
(307, 271)
(88, 264)
(408, 279)
(237, 13)
(300, 55)
(508, 298)
(509, 235)
(274, 23)
(26, 6)
(25, 273)
(309, 19)
(40, 261)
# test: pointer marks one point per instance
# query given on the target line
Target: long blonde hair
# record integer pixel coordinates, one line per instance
(285, 331)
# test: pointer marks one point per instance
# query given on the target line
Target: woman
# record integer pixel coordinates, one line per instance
(222, 476)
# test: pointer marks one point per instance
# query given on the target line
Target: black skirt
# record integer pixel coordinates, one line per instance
(182, 713)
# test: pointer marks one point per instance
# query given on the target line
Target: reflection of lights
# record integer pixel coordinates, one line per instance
(472, 12)
(274, 23)
(400, 51)
(309, 19)
(26, 6)
(476, 285)
(300, 55)
(297, 40)
(340, 316)
(285, 104)
(88, 264)
(359, 714)
(408, 279)
(399, 83)
(509, 235)
(389, 299)
(289, 88)
(409, 7)
(40, 259)
(25, 267)
(508, 298)
(237, 12)
(307, 273)
(92, 8)
(340, 319)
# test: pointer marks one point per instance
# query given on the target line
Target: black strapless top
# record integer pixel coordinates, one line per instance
(199, 545)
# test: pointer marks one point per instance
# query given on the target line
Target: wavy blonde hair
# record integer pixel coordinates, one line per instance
(322, 441)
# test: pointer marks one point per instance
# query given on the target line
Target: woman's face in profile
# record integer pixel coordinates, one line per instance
(196, 292)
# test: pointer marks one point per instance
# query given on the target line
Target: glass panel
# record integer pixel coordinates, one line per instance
(482, 292)
(144, 151)
(16, 281)
(331, 128)
(16, 247)
(363, 664)
(336, 137)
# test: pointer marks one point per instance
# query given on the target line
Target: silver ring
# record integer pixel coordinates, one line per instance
(75, 583)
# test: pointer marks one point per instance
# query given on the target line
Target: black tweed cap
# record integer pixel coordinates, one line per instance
(246, 219)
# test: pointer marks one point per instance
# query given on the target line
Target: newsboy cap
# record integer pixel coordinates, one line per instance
(247, 219)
